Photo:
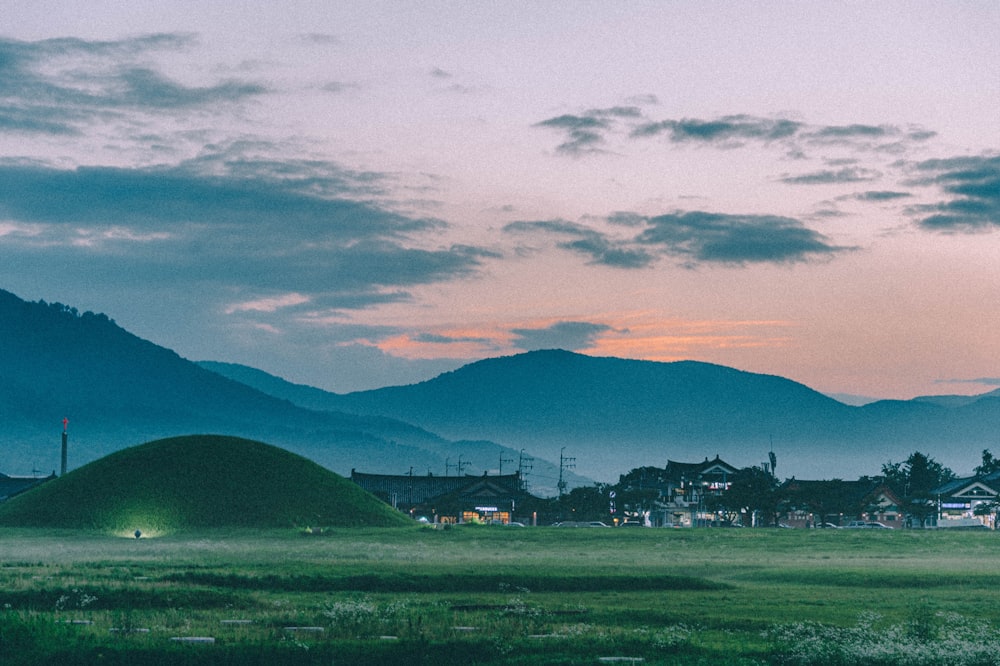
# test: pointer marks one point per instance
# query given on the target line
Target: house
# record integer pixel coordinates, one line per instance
(489, 499)
(15, 485)
(835, 502)
(968, 501)
(682, 489)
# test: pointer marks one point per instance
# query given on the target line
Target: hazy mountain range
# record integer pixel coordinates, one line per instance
(614, 414)
(118, 390)
(608, 415)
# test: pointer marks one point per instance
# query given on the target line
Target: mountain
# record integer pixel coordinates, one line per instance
(613, 414)
(601, 416)
(541, 474)
(956, 400)
(118, 390)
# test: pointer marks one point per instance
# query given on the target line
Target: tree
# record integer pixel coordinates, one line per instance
(639, 491)
(826, 500)
(584, 503)
(990, 464)
(914, 481)
(752, 489)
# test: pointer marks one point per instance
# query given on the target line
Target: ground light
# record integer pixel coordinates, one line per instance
(139, 533)
(141, 522)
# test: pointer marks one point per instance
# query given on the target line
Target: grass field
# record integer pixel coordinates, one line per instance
(500, 595)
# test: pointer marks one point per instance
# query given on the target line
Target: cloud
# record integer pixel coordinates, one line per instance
(58, 86)
(881, 195)
(248, 233)
(987, 381)
(736, 239)
(727, 128)
(436, 338)
(143, 88)
(972, 185)
(839, 132)
(626, 219)
(570, 335)
(694, 236)
(585, 132)
(830, 177)
(601, 248)
(269, 304)
(647, 99)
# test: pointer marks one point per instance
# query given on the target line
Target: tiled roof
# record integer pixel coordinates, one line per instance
(15, 485)
(419, 489)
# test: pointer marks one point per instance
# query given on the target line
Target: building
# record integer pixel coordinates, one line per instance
(968, 502)
(455, 499)
(15, 485)
(682, 489)
(836, 502)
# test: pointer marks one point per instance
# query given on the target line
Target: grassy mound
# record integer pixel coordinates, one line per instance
(198, 481)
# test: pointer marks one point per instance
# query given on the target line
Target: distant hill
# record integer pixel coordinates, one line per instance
(614, 414)
(604, 416)
(956, 400)
(198, 481)
(541, 474)
(117, 389)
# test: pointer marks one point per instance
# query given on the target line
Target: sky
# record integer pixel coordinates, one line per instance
(355, 195)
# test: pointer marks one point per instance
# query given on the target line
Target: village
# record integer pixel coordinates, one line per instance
(916, 494)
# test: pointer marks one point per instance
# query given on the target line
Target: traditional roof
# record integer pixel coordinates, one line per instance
(15, 485)
(986, 486)
(412, 490)
(707, 469)
(861, 491)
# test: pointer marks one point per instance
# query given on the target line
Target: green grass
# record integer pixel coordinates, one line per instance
(495, 595)
(198, 481)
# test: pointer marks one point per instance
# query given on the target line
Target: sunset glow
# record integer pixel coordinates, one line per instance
(354, 195)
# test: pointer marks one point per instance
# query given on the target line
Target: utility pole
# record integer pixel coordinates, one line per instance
(564, 463)
(524, 465)
(62, 468)
(502, 461)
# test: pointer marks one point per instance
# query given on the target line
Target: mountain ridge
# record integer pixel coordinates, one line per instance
(118, 390)
(609, 414)
(650, 411)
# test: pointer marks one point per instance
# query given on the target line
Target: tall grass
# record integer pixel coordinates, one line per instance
(482, 595)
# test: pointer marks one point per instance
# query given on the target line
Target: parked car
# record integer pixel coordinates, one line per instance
(867, 525)
(576, 523)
